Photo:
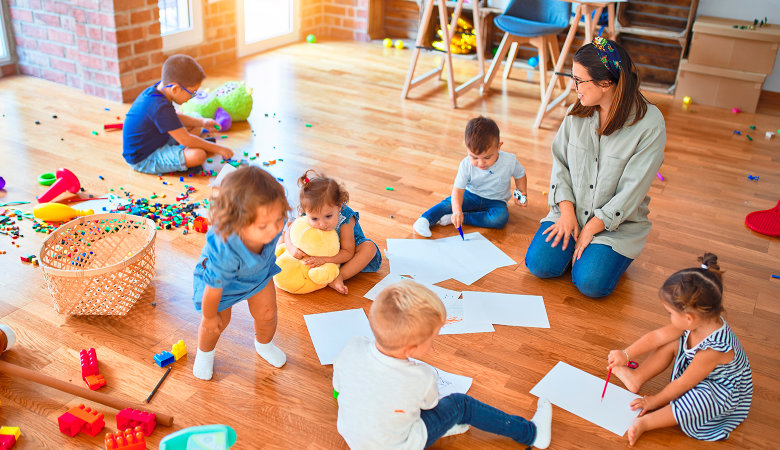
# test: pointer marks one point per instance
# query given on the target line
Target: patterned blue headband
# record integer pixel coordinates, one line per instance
(608, 55)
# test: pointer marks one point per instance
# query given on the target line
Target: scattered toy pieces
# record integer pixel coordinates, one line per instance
(752, 177)
(659, 176)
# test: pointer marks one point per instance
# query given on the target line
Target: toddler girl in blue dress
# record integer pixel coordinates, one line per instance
(712, 385)
(238, 263)
(324, 204)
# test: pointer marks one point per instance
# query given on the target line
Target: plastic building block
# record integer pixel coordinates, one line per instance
(89, 363)
(95, 382)
(201, 437)
(15, 431)
(93, 420)
(130, 418)
(179, 349)
(200, 224)
(164, 358)
(130, 439)
(70, 424)
(7, 441)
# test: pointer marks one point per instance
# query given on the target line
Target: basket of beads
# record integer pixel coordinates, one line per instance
(99, 264)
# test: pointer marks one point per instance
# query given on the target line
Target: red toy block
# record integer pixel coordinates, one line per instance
(129, 418)
(127, 440)
(89, 363)
(93, 420)
(200, 224)
(70, 424)
(95, 382)
(7, 441)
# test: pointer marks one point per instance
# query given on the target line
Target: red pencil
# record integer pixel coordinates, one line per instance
(606, 384)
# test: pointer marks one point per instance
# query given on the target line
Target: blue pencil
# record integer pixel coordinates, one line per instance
(460, 230)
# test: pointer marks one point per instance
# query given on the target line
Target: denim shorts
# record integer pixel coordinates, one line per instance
(168, 158)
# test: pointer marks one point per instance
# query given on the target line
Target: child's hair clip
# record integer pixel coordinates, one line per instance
(305, 180)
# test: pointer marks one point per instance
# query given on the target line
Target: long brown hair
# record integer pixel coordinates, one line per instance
(628, 98)
(234, 205)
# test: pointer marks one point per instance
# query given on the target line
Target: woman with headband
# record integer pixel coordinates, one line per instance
(605, 156)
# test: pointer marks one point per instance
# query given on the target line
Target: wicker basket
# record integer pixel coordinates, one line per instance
(99, 264)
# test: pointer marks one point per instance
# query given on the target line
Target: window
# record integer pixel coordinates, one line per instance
(181, 23)
(265, 24)
(5, 55)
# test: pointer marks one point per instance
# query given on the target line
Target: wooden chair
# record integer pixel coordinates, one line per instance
(534, 21)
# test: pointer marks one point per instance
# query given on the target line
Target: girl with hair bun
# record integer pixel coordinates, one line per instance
(712, 385)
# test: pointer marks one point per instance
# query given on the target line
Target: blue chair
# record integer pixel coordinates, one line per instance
(534, 21)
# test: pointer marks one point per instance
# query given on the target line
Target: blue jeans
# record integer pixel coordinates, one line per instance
(458, 409)
(477, 211)
(595, 274)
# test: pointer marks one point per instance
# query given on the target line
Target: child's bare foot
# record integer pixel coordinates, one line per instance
(635, 430)
(339, 286)
(628, 377)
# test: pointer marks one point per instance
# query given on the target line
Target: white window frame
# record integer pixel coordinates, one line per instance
(187, 38)
(245, 49)
(4, 38)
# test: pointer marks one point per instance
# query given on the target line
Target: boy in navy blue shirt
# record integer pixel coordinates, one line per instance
(157, 139)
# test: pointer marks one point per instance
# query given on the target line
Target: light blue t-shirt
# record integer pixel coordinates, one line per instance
(494, 183)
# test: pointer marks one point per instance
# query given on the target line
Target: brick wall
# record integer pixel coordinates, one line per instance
(346, 19)
(113, 48)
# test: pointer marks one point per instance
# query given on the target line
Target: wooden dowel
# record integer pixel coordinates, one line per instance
(116, 403)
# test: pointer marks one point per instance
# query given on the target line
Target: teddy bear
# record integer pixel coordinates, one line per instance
(296, 277)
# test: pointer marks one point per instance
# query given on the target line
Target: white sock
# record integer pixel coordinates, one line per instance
(271, 353)
(422, 227)
(457, 429)
(543, 421)
(203, 367)
(446, 220)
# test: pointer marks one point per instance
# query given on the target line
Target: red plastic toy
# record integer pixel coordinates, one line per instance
(7, 441)
(89, 363)
(129, 418)
(200, 224)
(127, 440)
(765, 222)
(66, 181)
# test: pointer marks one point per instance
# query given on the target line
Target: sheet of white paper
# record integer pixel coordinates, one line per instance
(385, 282)
(472, 258)
(449, 383)
(108, 201)
(459, 322)
(507, 309)
(223, 172)
(579, 393)
(331, 331)
(435, 260)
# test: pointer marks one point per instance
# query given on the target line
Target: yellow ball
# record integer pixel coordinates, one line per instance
(399, 44)
(687, 100)
(387, 42)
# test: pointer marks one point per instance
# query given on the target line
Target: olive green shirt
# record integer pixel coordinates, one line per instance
(608, 177)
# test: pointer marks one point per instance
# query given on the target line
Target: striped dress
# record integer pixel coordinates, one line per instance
(720, 402)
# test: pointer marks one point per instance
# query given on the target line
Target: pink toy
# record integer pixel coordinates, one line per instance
(89, 363)
(223, 119)
(736, 110)
(66, 181)
(130, 418)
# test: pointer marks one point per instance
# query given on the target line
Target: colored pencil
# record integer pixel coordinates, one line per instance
(606, 384)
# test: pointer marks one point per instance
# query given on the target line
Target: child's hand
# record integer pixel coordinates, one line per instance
(225, 152)
(524, 205)
(646, 404)
(211, 125)
(315, 261)
(210, 324)
(299, 254)
(616, 358)
(457, 219)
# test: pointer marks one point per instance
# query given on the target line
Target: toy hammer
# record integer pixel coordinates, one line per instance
(7, 339)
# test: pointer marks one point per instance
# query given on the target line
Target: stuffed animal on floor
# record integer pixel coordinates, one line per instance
(233, 97)
(296, 277)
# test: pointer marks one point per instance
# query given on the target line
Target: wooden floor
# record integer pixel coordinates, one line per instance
(362, 133)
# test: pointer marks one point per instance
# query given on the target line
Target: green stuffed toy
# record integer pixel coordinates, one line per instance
(296, 277)
(233, 97)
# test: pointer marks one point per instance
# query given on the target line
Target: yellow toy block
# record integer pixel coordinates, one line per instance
(11, 430)
(179, 349)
